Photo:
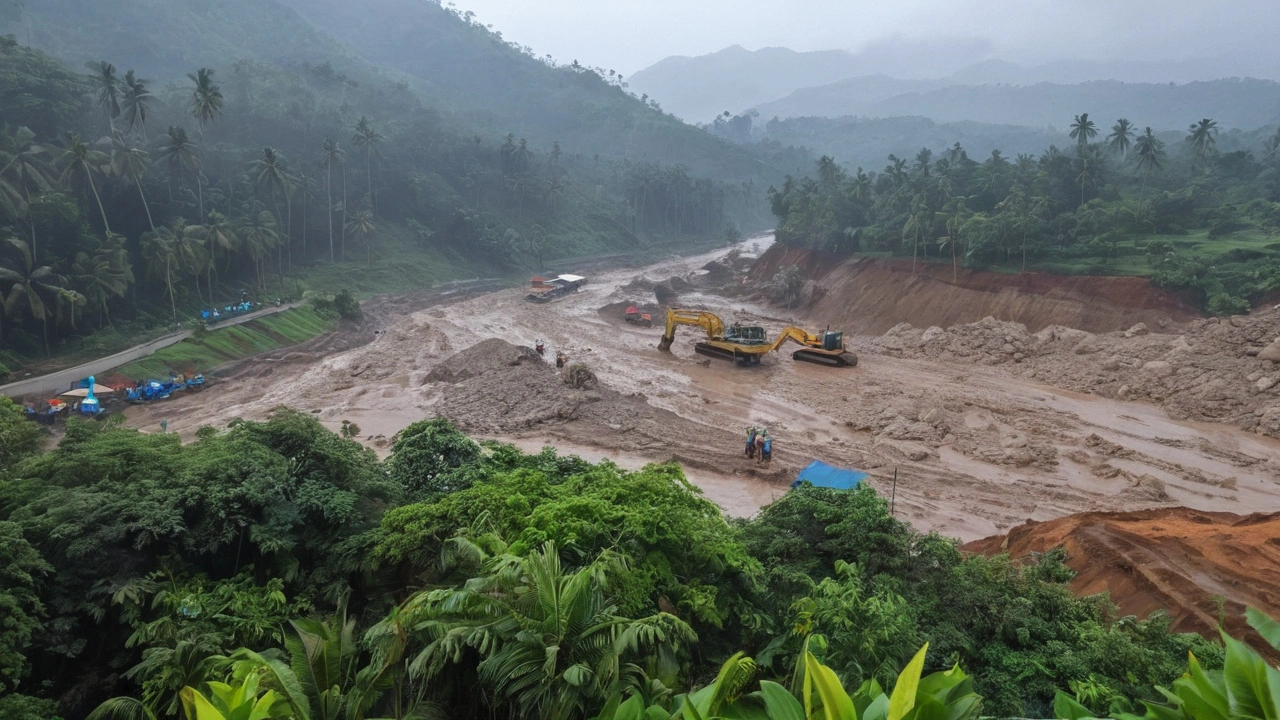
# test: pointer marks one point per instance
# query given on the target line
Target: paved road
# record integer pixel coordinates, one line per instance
(61, 380)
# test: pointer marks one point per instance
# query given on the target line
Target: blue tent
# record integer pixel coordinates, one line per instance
(824, 475)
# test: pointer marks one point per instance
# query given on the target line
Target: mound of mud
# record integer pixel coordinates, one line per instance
(1176, 559)
(665, 294)
(988, 342)
(1216, 369)
(484, 358)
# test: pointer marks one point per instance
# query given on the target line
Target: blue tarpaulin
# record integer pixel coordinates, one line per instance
(824, 475)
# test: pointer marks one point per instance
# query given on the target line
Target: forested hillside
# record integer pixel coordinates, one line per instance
(246, 148)
(1235, 103)
(1192, 213)
(466, 580)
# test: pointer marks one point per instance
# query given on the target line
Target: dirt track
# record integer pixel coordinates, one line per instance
(56, 381)
(978, 448)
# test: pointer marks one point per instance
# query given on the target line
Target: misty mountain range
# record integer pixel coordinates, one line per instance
(905, 80)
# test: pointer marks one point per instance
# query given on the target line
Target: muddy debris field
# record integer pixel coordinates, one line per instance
(986, 424)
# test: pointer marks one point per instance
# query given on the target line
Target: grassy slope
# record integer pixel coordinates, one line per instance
(1130, 260)
(232, 343)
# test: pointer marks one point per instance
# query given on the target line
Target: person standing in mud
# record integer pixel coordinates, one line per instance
(751, 442)
(766, 450)
(759, 445)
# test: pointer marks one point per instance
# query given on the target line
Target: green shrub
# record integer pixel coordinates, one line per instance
(1224, 304)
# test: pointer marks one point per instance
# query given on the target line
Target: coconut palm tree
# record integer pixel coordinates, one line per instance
(368, 139)
(101, 276)
(25, 169)
(179, 154)
(918, 223)
(360, 227)
(205, 106)
(1090, 169)
(162, 250)
(34, 289)
(103, 78)
(953, 215)
(136, 102)
(1203, 136)
(1149, 150)
(271, 176)
(1083, 130)
(550, 639)
(1120, 138)
(259, 235)
(333, 154)
(219, 236)
(81, 161)
(131, 162)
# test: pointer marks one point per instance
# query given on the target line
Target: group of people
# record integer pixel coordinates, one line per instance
(759, 445)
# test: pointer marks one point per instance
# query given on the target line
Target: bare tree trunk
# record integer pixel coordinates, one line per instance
(106, 226)
(145, 206)
(31, 220)
(329, 206)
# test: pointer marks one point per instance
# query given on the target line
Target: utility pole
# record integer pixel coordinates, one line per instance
(893, 499)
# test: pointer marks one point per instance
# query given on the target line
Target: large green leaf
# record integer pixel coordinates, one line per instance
(1245, 674)
(1065, 707)
(877, 709)
(780, 704)
(836, 704)
(1202, 697)
(198, 707)
(904, 690)
(1269, 629)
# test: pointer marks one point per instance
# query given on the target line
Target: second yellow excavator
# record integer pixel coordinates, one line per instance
(746, 344)
(824, 348)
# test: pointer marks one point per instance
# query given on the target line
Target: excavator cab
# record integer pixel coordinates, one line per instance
(832, 340)
(746, 335)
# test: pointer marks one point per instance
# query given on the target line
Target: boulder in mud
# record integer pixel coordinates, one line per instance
(1270, 352)
(665, 294)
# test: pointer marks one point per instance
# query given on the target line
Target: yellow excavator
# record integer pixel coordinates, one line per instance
(746, 344)
(743, 344)
(824, 348)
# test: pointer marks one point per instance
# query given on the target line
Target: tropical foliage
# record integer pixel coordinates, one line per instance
(130, 202)
(469, 579)
(1182, 212)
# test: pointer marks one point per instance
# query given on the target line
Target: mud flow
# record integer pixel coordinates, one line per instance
(986, 423)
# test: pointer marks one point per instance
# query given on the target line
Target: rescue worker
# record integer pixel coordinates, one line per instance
(760, 440)
(751, 442)
(766, 452)
(538, 346)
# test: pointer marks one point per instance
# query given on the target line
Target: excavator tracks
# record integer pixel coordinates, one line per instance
(844, 359)
(726, 354)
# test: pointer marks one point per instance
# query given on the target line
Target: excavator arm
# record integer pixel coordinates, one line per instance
(712, 324)
(797, 336)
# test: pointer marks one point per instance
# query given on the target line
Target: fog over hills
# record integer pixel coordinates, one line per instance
(952, 80)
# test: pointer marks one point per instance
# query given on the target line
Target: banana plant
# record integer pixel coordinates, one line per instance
(234, 702)
(944, 695)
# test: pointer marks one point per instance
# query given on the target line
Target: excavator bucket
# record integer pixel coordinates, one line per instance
(665, 343)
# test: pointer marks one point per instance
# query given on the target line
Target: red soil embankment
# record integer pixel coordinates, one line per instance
(871, 295)
(1174, 559)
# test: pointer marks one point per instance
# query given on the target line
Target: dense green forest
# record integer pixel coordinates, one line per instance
(1123, 200)
(129, 200)
(472, 580)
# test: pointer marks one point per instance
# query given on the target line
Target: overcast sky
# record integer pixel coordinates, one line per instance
(626, 35)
